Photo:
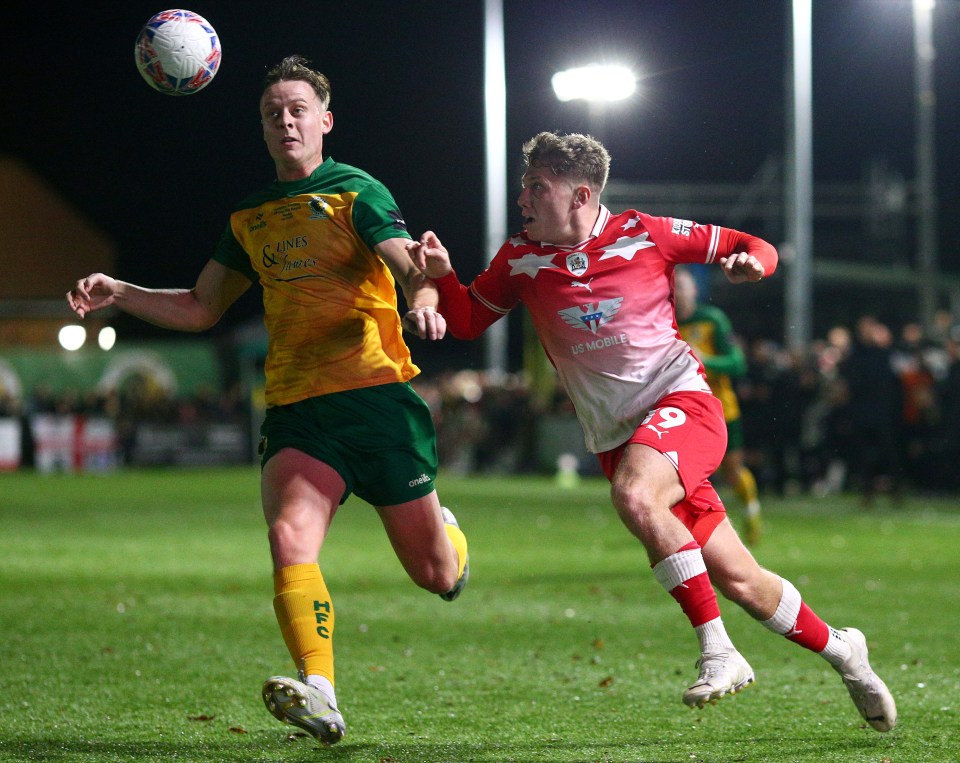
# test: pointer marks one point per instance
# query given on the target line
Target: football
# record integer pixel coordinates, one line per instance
(177, 52)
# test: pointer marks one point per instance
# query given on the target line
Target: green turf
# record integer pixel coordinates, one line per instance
(136, 625)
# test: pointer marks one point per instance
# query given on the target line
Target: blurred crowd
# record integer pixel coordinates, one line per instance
(866, 408)
(863, 409)
(139, 401)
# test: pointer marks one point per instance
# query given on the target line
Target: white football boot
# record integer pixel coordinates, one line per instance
(303, 705)
(721, 673)
(870, 694)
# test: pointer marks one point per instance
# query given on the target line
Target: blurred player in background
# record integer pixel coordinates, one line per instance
(707, 329)
(327, 243)
(599, 290)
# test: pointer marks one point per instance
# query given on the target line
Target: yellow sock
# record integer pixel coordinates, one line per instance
(746, 487)
(459, 541)
(305, 614)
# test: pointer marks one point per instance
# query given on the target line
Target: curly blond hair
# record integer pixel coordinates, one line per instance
(582, 157)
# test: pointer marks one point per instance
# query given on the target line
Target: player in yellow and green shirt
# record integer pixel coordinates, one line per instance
(708, 331)
(328, 245)
(311, 242)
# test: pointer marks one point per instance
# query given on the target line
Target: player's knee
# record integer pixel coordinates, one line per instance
(292, 544)
(434, 577)
(636, 504)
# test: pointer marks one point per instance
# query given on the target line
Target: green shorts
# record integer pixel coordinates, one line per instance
(380, 440)
(735, 434)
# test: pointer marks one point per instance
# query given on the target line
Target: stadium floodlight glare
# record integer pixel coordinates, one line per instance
(595, 82)
(107, 338)
(72, 337)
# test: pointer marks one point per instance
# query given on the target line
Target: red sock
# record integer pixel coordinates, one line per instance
(697, 599)
(684, 575)
(809, 631)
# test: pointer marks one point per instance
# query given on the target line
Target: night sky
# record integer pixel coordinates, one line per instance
(160, 174)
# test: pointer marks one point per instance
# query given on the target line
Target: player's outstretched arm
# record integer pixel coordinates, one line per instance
(194, 309)
(467, 318)
(419, 292)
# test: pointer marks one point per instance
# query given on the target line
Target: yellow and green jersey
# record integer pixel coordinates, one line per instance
(708, 331)
(330, 303)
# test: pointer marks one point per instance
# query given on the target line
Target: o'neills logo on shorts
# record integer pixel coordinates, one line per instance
(419, 480)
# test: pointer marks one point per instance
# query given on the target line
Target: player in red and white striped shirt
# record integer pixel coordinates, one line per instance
(599, 289)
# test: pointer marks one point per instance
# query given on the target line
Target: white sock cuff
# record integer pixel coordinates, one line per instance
(679, 567)
(837, 649)
(788, 609)
(713, 636)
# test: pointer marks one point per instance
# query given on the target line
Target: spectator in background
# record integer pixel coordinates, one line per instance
(834, 446)
(949, 396)
(920, 414)
(874, 410)
(757, 400)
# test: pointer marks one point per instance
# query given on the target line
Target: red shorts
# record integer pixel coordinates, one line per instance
(688, 428)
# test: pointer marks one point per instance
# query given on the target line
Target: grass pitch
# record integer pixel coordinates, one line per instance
(136, 625)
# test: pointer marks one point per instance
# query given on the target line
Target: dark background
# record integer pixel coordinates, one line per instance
(160, 174)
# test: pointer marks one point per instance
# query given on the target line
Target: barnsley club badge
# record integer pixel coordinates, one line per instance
(577, 263)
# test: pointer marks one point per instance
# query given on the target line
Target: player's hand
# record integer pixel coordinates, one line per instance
(94, 292)
(742, 268)
(430, 256)
(425, 322)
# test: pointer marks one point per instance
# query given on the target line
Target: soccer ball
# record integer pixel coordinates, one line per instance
(177, 52)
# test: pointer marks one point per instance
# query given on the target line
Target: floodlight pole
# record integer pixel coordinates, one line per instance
(495, 99)
(798, 318)
(926, 187)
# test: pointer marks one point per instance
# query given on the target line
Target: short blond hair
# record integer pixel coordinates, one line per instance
(296, 68)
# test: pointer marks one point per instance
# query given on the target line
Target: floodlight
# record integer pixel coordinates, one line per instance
(595, 82)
